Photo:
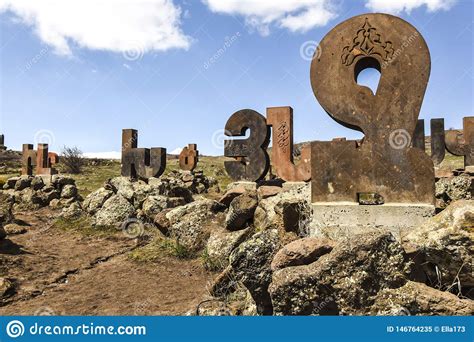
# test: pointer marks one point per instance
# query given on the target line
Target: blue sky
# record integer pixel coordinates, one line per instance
(177, 70)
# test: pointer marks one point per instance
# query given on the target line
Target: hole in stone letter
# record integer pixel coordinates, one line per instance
(367, 73)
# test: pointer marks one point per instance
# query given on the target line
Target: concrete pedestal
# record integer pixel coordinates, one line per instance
(338, 220)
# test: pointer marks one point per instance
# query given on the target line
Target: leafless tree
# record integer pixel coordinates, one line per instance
(72, 159)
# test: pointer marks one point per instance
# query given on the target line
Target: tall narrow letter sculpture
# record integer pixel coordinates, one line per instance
(281, 120)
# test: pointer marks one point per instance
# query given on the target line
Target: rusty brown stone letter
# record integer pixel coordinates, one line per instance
(281, 121)
(252, 162)
(384, 163)
(188, 158)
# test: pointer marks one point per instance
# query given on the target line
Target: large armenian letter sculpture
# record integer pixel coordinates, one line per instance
(281, 120)
(384, 163)
(141, 163)
(252, 162)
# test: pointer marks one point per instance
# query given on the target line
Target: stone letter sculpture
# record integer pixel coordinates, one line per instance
(188, 158)
(41, 160)
(252, 162)
(2, 143)
(384, 163)
(461, 143)
(281, 120)
(28, 160)
(141, 163)
(438, 148)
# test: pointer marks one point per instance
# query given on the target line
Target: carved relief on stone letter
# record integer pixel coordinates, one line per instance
(281, 121)
(367, 42)
(461, 143)
(384, 162)
(252, 162)
(142, 163)
(188, 158)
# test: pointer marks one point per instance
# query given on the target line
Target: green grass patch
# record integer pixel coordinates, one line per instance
(83, 226)
(158, 248)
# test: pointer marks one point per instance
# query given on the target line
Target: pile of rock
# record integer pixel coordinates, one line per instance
(195, 181)
(371, 273)
(30, 192)
(454, 188)
(121, 198)
(248, 209)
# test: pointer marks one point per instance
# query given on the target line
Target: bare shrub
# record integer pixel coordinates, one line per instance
(72, 159)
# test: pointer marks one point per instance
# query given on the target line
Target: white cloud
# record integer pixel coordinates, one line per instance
(399, 6)
(294, 15)
(108, 25)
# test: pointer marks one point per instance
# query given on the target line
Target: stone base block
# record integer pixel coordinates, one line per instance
(338, 220)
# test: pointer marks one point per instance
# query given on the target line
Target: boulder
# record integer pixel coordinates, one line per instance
(6, 206)
(301, 252)
(295, 214)
(153, 205)
(213, 307)
(69, 191)
(47, 194)
(227, 198)
(174, 202)
(72, 211)
(250, 263)
(190, 224)
(224, 284)
(444, 246)
(58, 181)
(343, 281)
(123, 187)
(6, 288)
(220, 245)
(3, 233)
(14, 229)
(287, 211)
(171, 187)
(96, 200)
(454, 188)
(37, 183)
(241, 211)
(23, 182)
(419, 299)
(10, 183)
(141, 191)
(161, 222)
(266, 191)
(31, 199)
(114, 212)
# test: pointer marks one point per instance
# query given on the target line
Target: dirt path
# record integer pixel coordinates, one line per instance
(66, 273)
